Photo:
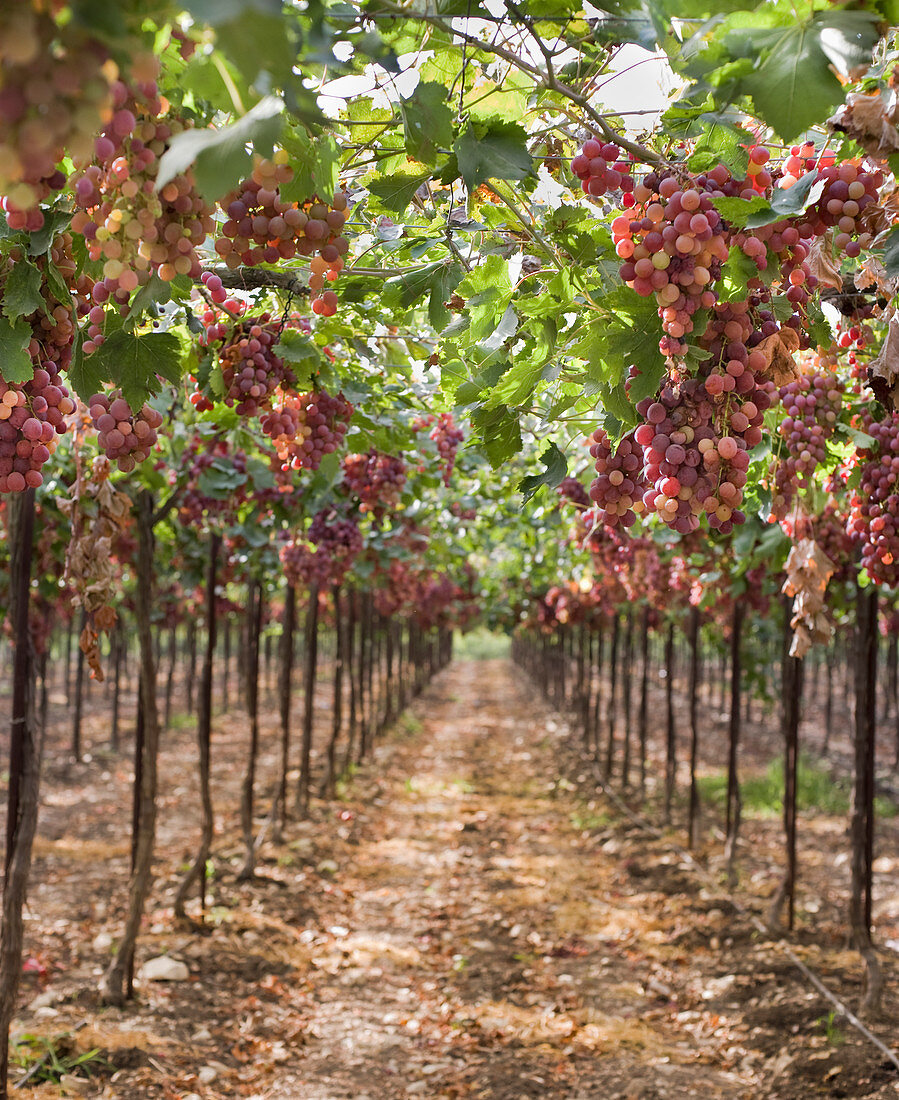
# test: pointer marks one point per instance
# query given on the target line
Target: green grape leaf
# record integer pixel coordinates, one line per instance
(22, 292)
(15, 362)
(302, 353)
(794, 86)
(57, 285)
(55, 221)
(315, 162)
(494, 150)
(499, 433)
(215, 12)
(220, 158)
(85, 374)
(136, 363)
(152, 293)
(556, 468)
(428, 121)
(737, 211)
(219, 480)
(394, 193)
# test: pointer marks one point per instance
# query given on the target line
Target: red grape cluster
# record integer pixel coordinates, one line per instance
(129, 225)
(31, 416)
(673, 246)
(874, 507)
(262, 228)
(619, 482)
(55, 96)
(600, 168)
(812, 404)
(338, 543)
(302, 565)
(696, 452)
(199, 455)
(124, 436)
(251, 371)
(447, 435)
(317, 425)
(849, 189)
(571, 489)
(376, 478)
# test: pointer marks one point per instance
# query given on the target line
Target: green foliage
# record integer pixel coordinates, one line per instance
(15, 362)
(220, 157)
(816, 790)
(49, 1058)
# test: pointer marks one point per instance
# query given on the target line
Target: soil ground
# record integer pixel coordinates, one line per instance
(468, 919)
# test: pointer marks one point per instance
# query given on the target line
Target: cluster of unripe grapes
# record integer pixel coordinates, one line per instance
(600, 168)
(812, 404)
(55, 97)
(874, 505)
(619, 483)
(316, 424)
(125, 436)
(377, 479)
(263, 228)
(251, 371)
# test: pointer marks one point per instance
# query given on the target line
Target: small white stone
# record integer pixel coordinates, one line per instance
(102, 941)
(164, 969)
(207, 1075)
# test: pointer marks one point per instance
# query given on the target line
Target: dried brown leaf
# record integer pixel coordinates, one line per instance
(822, 264)
(883, 372)
(779, 349)
(866, 119)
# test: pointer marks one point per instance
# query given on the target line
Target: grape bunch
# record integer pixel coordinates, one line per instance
(31, 416)
(874, 506)
(600, 168)
(338, 542)
(251, 371)
(447, 435)
(129, 225)
(125, 436)
(812, 404)
(696, 453)
(317, 424)
(55, 96)
(672, 246)
(571, 489)
(200, 454)
(849, 190)
(616, 490)
(262, 228)
(302, 564)
(377, 479)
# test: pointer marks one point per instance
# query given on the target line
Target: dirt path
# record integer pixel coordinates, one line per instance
(462, 923)
(477, 954)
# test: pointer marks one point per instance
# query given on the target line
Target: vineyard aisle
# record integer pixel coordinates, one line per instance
(461, 923)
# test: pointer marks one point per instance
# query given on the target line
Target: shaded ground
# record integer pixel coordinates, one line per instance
(462, 923)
